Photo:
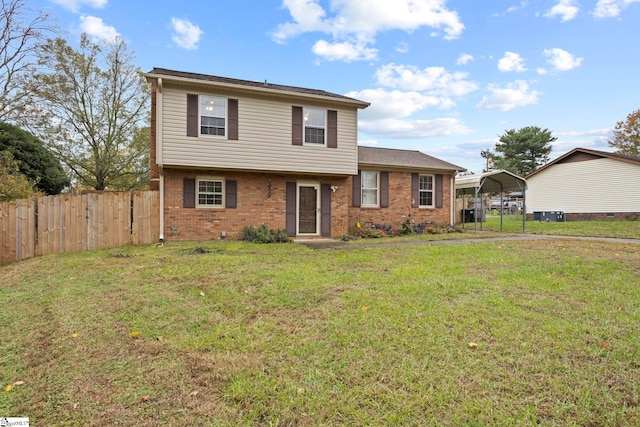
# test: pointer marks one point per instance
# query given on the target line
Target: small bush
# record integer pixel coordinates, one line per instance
(264, 234)
(376, 231)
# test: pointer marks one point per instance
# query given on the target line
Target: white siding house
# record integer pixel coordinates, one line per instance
(587, 184)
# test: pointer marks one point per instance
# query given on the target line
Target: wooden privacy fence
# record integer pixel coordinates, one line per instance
(77, 222)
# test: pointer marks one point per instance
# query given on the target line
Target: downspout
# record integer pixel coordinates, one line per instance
(161, 235)
(159, 114)
(452, 199)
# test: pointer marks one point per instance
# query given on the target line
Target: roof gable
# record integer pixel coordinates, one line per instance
(402, 159)
(583, 155)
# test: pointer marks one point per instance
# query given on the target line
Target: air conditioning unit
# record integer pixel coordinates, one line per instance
(548, 216)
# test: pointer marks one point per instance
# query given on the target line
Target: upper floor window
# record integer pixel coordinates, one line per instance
(426, 191)
(210, 193)
(213, 115)
(314, 125)
(369, 185)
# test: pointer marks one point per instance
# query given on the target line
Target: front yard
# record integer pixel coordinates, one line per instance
(231, 333)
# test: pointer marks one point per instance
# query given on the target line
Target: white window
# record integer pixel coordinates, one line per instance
(426, 191)
(369, 187)
(314, 125)
(213, 115)
(210, 193)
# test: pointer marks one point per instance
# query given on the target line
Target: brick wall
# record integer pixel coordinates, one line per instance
(261, 200)
(400, 206)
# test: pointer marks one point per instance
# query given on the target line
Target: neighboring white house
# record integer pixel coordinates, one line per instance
(587, 184)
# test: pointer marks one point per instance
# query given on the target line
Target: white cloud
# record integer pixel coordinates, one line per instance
(464, 59)
(512, 9)
(403, 47)
(611, 8)
(358, 22)
(433, 80)
(75, 5)
(97, 29)
(561, 60)
(566, 9)
(516, 94)
(395, 103)
(511, 61)
(410, 129)
(344, 51)
(186, 35)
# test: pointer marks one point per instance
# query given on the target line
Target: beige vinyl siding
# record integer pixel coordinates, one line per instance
(593, 186)
(264, 139)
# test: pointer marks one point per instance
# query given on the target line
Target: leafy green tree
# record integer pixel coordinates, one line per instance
(626, 135)
(523, 150)
(22, 33)
(13, 184)
(90, 104)
(34, 160)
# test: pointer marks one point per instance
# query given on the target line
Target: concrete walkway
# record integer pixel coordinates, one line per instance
(340, 244)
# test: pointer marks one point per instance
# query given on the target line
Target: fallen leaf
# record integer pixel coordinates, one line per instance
(293, 330)
(134, 334)
(75, 405)
(605, 345)
(144, 398)
(409, 304)
(9, 387)
(193, 393)
(201, 293)
(74, 335)
(472, 345)
(364, 308)
(18, 383)
(159, 337)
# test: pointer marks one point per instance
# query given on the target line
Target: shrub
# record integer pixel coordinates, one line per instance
(264, 234)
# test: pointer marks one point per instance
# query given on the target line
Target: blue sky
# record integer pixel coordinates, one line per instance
(443, 77)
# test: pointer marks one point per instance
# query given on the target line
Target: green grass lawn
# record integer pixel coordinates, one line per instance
(539, 332)
(513, 223)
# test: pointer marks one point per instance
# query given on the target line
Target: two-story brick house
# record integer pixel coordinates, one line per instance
(229, 153)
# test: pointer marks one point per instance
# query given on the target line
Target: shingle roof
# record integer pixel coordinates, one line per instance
(163, 72)
(405, 159)
(597, 153)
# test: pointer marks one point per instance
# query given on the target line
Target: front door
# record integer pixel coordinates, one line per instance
(308, 208)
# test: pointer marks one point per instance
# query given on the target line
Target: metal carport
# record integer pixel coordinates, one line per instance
(498, 181)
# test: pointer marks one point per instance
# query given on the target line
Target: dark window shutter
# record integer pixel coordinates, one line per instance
(332, 129)
(325, 210)
(189, 193)
(192, 115)
(231, 194)
(415, 190)
(384, 189)
(296, 125)
(291, 209)
(357, 190)
(233, 118)
(439, 192)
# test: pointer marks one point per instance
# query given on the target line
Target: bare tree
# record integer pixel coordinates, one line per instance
(22, 33)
